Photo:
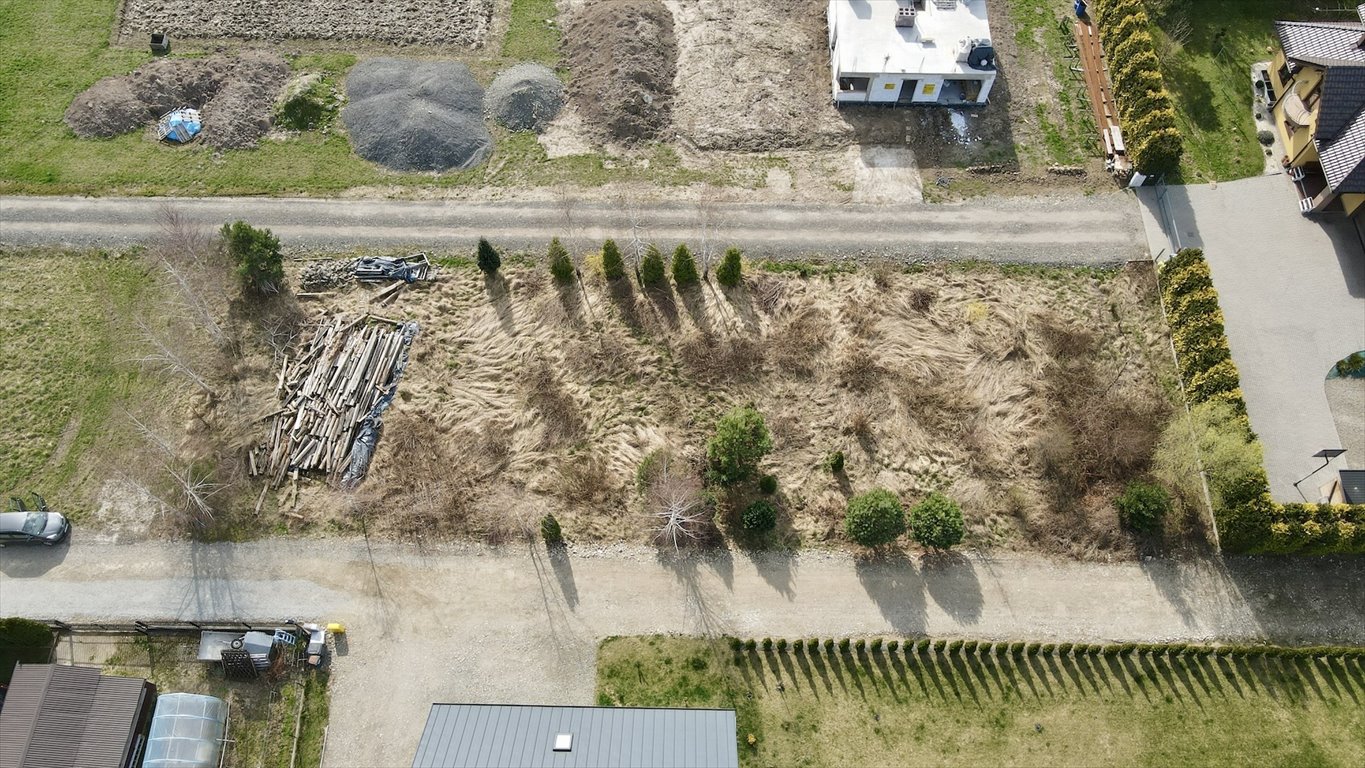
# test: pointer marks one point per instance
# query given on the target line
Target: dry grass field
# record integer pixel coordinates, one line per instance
(1029, 395)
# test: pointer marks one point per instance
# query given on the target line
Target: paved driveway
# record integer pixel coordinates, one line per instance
(1293, 296)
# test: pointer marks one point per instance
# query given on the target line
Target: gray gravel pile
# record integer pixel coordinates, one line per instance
(235, 95)
(525, 97)
(416, 115)
(430, 22)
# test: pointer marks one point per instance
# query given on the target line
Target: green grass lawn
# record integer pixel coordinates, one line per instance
(882, 709)
(66, 319)
(1067, 134)
(1208, 71)
(50, 51)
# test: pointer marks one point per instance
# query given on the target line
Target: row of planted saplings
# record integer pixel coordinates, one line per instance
(970, 649)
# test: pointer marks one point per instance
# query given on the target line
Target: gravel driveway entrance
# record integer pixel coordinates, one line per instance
(1293, 296)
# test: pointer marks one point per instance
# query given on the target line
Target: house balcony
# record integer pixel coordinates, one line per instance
(1311, 187)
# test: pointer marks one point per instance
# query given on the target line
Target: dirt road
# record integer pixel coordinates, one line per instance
(466, 624)
(1070, 230)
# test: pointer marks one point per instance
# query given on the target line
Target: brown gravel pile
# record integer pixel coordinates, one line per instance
(235, 95)
(622, 54)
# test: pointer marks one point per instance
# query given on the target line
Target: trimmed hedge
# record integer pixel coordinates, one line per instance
(1146, 110)
(1248, 519)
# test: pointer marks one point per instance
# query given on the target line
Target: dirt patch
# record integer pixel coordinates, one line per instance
(530, 399)
(622, 56)
(412, 115)
(235, 94)
(448, 22)
(753, 76)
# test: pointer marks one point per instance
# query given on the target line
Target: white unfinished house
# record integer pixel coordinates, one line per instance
(924, 52)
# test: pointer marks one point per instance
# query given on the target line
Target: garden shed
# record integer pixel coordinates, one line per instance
(904, 52)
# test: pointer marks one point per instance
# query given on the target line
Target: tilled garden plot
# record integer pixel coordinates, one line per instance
(432, 22)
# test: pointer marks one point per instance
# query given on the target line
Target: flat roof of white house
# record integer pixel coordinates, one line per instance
(870, 42)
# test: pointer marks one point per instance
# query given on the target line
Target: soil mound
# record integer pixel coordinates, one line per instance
(622, 54)
(525, 97)
(235, 95)
(416, 115)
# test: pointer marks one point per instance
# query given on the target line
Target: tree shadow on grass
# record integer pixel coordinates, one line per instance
(694, 301)
(499, 293)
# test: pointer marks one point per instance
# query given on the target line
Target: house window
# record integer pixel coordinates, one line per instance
(854, 84)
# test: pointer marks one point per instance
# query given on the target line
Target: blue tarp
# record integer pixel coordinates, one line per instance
(179, 125)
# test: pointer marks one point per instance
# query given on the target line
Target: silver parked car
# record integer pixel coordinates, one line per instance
(26, 526)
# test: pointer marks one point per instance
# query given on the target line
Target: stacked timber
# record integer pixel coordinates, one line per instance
(346, 371)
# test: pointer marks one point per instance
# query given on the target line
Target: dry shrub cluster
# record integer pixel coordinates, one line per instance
(710, 357)
(558, 410)
(996, 411)
(794, 345)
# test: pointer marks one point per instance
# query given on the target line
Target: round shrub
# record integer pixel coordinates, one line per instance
(550, 531)
(969, 647)
(767, 485)
(876, 645)
(736, 644)
(256, 255)
(1017, 649)
(829, 645)
(1143, 505)
(759, 517)
(892, 645)
(728, 273)
(1032, 649)
(843, 645)
(613, 266)
(1063, 649)
(781, 645)
(1048, 648)
(1265, 137)
(741, 441)
(835, 462)
(767, 644)
(874, 518)
(561, 266)
(684, 267)
(749, 644)
(937, 522)
(939, 645)
(954, 647)
(652, 271)
(859, 645)
(922, 646)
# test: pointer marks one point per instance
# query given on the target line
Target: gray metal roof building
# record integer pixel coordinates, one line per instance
(57, 716)
(517, 736)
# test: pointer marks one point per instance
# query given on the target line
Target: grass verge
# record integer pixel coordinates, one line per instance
(885, 707)
(66, 318)
(262, 714)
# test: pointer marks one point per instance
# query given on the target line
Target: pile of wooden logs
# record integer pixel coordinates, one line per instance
(338, 379)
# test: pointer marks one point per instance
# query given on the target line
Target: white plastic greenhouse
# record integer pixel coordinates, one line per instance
(187, 731)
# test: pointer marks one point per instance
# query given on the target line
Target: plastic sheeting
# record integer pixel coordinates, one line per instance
(362, 448)
(187, 731)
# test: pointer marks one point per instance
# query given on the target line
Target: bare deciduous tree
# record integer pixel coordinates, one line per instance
(171, 360)
(188, 257)
(676, 506)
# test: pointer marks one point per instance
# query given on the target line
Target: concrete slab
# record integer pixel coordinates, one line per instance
(1293, 296)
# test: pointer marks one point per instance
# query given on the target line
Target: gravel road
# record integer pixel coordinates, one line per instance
(470, 624)
(1074, 230)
